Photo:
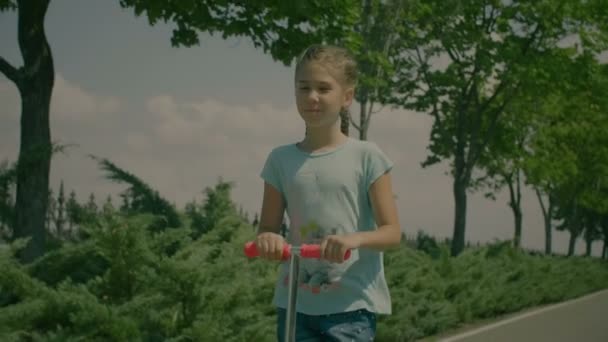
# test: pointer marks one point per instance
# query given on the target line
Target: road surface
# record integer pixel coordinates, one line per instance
(580, 320)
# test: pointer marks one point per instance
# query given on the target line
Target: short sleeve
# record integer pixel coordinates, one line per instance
(270, 172)
(377, 164)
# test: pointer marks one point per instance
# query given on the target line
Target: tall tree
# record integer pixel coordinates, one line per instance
(546, 166)
(280, 28)
(60, 214)
(375, 41)
(567, 158)
(73, 211)
(568, 72)
(504, 164)
(469, 60)
(50, 211)
(34, 80)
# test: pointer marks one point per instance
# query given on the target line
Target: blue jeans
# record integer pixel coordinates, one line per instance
(356, 326)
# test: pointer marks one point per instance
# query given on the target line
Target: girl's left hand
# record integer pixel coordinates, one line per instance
(334, 247)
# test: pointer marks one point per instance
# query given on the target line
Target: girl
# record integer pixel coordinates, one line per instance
(337, 192)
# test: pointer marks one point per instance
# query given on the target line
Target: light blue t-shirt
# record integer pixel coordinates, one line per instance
(328, 193)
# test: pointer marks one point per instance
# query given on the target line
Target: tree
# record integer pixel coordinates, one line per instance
(508, 149)
(141, 197)
(546, 166)
(74, 212)
(374, 42)
(51, 209)
(604, 228)
(504, 163)
(108, 207)
(197, 220)
(91, 209)
(7, 184)
(280, 28)
(218, 204)
(566, 158)
(468, 61)
(34, 80)
(60, 216)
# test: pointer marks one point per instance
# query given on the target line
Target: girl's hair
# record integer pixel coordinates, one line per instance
(339, 60)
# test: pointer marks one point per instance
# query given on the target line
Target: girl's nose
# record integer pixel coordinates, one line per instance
(313, 96)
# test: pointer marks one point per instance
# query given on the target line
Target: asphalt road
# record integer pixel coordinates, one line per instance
(580, 320)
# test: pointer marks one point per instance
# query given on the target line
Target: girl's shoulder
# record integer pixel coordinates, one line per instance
(283, 149)
(366, 147)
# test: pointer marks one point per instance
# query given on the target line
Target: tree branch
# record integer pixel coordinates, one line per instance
(10, 71)
(352, 122)
(423, 67)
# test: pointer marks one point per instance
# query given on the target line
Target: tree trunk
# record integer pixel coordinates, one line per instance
(34, 161)
(515, 205)
(605, 249)
(460, 199)
(547, 220)
(461, 181)
(518, 227)
(588, 243)
(572, 243)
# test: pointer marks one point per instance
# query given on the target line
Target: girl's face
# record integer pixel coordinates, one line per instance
(319, 95)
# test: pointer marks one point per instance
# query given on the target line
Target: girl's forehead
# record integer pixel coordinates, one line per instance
(316, 72)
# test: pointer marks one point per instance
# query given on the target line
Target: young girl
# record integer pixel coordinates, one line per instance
(337, 192)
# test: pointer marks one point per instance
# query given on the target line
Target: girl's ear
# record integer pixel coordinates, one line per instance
(349, 95)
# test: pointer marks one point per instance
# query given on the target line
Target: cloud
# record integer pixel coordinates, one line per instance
(180, 146)
(72, 102)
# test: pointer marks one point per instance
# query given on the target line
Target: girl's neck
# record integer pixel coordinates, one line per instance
(319, 139)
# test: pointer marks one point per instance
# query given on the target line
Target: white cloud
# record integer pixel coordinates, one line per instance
(226, 127)
(70, 101)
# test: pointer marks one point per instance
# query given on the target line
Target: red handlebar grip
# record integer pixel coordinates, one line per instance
(306, 251)
(310, 251)
(251, 250)
(314, 251)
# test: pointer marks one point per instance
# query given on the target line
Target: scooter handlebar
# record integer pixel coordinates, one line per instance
(312, 251)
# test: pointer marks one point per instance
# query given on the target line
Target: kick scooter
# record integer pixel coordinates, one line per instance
(293, 254)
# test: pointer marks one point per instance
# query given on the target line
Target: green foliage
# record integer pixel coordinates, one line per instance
(216, 207)
(7, 5)
(8, 179)
(280, 28)
(433, 295)
(121, 284)
(141, 196)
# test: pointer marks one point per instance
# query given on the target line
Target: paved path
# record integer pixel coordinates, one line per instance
(580, 320)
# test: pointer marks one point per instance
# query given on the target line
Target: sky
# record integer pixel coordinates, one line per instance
(181, 118)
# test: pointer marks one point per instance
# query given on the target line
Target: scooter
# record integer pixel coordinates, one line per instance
(293, 254)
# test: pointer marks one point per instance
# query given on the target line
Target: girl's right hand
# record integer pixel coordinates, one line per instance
(270, 245)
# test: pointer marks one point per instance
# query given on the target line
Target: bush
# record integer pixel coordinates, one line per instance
(131, 282)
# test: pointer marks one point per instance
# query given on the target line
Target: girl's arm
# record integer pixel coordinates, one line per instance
(269, 242)
(388, 233)
(273, 208)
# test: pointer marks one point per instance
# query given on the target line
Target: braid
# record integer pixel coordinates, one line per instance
(344, 121)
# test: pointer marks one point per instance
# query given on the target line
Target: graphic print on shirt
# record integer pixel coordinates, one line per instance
(308, 188)
(316, 275)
